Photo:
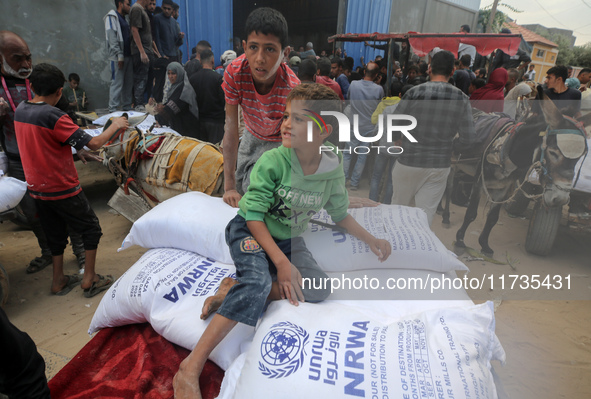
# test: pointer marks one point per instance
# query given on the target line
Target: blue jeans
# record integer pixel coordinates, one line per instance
(348, 152)
(246, 300)
(384, 163)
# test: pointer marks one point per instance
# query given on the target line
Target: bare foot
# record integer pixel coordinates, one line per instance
(186, 383)
(213, 303)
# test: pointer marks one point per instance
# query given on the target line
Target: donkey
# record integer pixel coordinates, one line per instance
(535, 145)
(158, 167)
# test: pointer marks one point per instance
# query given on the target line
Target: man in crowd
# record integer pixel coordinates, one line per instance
(207, 84)
(365, 96)
(309, 51)
(118, 35)
(306, 71)
(585, 78)
(323, 76)
(531, 73)
(194, 65)
(566, 99)
(467, 48)
(167, 40)
(176, 14)
(421, 171)
(141, 50)
(513, 76)
(336, 72)
(463, 75)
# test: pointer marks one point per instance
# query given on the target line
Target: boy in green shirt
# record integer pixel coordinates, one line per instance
(288, 185)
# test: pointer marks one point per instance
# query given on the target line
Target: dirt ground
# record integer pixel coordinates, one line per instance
(546, 335)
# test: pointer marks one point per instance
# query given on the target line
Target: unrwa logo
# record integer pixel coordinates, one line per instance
(283, 350)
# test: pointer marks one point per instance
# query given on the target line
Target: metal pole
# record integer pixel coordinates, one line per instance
(391, 45)
(493, 11)
(187, 32)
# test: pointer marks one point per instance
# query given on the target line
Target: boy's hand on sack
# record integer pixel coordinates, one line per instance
(289, 280)
(232, 197)
(381, 248)
(360, 202)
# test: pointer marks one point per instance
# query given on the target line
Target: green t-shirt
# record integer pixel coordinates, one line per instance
(280, 195)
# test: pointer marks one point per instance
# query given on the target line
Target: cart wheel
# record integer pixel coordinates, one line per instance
(543, 227)
(4, 285)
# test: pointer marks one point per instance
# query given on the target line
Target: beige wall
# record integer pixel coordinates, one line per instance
(544, 58)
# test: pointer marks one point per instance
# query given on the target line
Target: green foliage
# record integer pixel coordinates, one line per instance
(500, 17)
(484, 16)
(582, 56)
(577, 56)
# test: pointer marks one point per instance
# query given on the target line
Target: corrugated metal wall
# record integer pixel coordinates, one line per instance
(206, 20)
(366, 16)
(431, 16)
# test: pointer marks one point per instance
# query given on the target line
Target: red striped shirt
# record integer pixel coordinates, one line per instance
(262, 113)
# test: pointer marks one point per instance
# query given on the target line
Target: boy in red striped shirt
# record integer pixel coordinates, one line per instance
(259, 81)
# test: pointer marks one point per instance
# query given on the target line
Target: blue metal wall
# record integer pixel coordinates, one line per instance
(205, 20)
(366, 16)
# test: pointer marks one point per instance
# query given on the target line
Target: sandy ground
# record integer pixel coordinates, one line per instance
(547, 335)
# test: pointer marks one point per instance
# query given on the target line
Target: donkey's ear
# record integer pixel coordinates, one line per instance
(541, 93)
(551, 113)
(586, 120)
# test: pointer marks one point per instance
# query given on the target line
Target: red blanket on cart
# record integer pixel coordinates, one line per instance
(128, 362)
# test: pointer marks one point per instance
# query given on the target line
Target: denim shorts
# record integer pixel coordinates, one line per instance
(255, 273)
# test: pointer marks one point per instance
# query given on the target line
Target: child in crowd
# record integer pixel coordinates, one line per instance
(289, 184)
(44, 135)
(77, 100)
(259, 82)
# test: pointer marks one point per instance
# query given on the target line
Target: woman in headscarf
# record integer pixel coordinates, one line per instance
(179, 107)
(490, 97)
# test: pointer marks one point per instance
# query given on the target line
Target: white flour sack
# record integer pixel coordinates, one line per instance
(167, 288)
(341, 353)
(414, 245)
(12, 192)
(191, 221)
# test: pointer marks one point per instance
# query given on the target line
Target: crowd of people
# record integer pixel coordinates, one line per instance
(255, 105)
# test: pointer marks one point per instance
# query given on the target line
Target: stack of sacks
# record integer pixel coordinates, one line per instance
(167, 288)
(342, 353)
(196, 222)
(168, 285)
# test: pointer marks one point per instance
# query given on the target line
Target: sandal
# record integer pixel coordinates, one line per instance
(39, 263)
(99, 286)
(73, 280)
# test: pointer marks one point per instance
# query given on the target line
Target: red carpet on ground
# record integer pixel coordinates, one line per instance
(128, 362)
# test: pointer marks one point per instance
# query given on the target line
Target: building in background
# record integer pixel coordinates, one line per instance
(544, 51)
(542, 30)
